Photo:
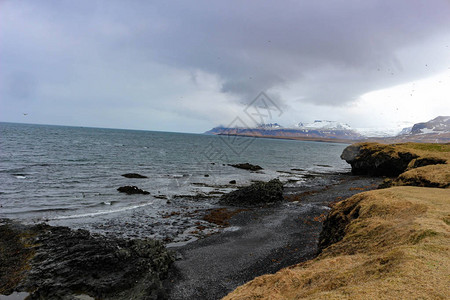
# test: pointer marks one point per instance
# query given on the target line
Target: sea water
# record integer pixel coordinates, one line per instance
(70, 175)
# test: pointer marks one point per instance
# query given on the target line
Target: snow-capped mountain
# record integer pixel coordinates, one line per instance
(323, 124)
(406, 130)
(440, 124)
(270, 126)
(319, 129)
(377, 132)
(434, 131)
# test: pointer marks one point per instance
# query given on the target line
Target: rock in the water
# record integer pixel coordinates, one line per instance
(65, 262)
(232, 182)
(376, 159)
(133, 175)
(256, 194)
(246, 166)
(128, 189)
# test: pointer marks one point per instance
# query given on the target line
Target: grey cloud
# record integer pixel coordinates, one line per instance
(332, 51)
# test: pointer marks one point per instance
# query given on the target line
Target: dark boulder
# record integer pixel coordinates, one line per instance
(128, 189)
(255, 194)
(232, 182)
(133, 175)
(376, 159)
(246, 166)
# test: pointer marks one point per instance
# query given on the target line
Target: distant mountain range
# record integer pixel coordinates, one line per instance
(436, 130)
(433, 131)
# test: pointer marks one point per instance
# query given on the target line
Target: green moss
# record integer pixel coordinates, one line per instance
(429, 147)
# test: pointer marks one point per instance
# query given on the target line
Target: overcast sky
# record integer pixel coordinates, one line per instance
(190, 65)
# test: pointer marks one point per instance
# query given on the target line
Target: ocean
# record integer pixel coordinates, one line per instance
(70, 175)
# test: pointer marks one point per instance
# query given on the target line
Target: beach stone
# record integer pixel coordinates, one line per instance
(256, 194)
(133, 175)
(246, 166)
(128, 189)
(64, 262)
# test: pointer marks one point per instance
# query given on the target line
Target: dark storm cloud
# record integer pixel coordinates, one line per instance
(87, 53)
(338, 49)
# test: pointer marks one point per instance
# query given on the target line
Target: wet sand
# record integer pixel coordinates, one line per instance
(261, 240)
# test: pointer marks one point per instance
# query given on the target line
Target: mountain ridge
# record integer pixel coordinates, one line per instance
(436, 130)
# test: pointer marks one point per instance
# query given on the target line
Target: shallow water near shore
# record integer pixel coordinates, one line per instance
(69, 175)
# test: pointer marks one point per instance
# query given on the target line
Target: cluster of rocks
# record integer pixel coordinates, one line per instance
(63, 262)
(256, 194)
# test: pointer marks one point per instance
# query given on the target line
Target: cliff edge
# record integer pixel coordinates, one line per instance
(391, 243)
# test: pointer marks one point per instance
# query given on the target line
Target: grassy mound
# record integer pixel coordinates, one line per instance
(390, 244)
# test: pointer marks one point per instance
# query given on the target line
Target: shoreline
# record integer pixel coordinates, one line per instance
(256, 242)
(260, 240)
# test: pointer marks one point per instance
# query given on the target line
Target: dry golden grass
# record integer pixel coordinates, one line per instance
(398, 247)
(431, 176)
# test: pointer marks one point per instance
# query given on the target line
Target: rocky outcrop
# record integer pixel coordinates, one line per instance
(376, 159)
(389, 244)
(247, 166)
(258, 193)
(130, 190)
(422, 165)
(133, 175)
(65, 262)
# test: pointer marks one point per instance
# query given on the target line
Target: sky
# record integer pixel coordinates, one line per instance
(187, 66)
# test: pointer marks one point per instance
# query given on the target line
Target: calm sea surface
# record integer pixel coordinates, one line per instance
(70, 175)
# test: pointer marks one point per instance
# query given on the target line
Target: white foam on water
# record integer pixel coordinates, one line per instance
(98, 213)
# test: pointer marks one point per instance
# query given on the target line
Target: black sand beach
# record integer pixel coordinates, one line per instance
(260, 241)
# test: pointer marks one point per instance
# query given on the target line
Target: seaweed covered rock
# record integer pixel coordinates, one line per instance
(133, 175)
(67, 262)
(247, 166)
(130, 190)
(256, 194)
(376, 159)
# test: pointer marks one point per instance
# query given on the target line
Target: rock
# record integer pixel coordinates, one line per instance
(256, 194)
(206, 175)
(232, 182)
(65, 262)
(128, 189)
(133, 175)
(376, 159)
(246, 166)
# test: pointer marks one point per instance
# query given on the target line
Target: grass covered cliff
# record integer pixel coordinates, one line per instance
(391, 243)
